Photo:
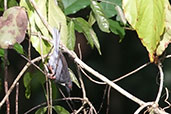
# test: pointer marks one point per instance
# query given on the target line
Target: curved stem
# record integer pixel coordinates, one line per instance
(113, 85)
(132, 72)
(161, 84)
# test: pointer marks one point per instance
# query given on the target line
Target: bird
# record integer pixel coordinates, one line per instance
(57, 64)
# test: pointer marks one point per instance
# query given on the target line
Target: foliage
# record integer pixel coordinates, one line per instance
(150, 19)
(149, 22)
(165, 39)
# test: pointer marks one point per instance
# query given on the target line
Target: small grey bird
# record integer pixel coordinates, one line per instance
(57, 64)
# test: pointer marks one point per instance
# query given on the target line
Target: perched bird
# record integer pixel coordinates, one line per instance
(57, 64)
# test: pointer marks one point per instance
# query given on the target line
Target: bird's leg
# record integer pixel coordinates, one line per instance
(51, 74)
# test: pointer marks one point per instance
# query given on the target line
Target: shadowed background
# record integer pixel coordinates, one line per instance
(116, 60)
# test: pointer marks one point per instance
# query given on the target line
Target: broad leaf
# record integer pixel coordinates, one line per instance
(60, 110)
(166, 37)
(27, 80)
(36, 25)
(147, 18)
(39, 23)
(19, 48)
(74, 78)
(13, 25)
(42, 46)
(2, 52)
(26, 4)
(1, 5)
(100, 17)
(83, 26)
(116, 28)
(91, 19)
(38, 78)
(60, 4)
(57, 19)
(71, 36)
(72, 6)
(41, 110)
(12, 3)
(109, 7)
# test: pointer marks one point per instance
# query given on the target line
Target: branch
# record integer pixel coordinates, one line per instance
(168, 56)
(167, 96)
(62, 99)
(6, 80)
(89, 69)
(86, 67)
(132, 72)
(161, 84)
(142, 107)
(16, 98)
(101, 77)
(18, 78)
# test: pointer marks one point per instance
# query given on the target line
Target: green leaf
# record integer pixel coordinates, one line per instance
(83, 26)
(38, 78)
(147, 18)
(43, 9)
(12, 3)
(2, 52)
(2, 55)
(100, 17)
(1, 9)
(91, 19)
(1, 5)
(72, 6)
(41, 110)
(166, 37)
(71, 36)
(77, 27)
(116, 28)
(120, 15)
(19, 48)
(56, 18)
(60, 110)
(41, 46)
(13, 26)
(74, 78)
(109, 7)
(27, 80)
(26, 4)
(60, 4)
